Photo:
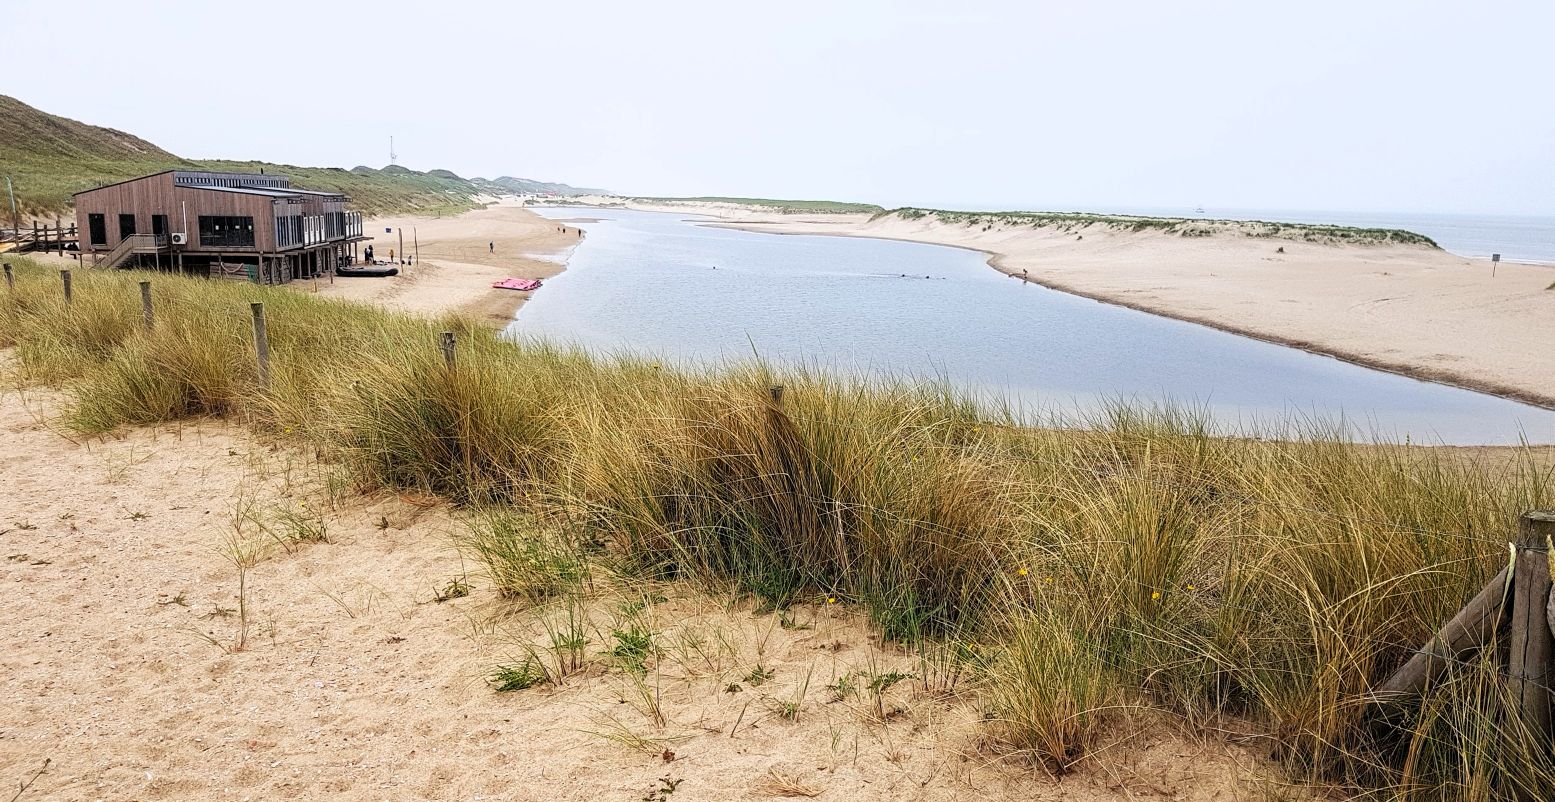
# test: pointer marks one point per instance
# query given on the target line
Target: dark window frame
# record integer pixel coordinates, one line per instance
(226, 231)
(97, 228)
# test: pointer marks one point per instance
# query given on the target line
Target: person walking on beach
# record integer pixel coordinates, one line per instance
(491, 247)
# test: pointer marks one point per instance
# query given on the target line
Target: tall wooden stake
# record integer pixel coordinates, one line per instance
(261, 344)
(1533, 646)
(65, 276)
(145, 303)
(777, 395)
(448, 349)
(10, 280)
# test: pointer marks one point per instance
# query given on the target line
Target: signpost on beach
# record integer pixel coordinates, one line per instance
(1495, 259)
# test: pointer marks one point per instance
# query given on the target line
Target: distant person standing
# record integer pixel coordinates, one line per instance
(491, 247)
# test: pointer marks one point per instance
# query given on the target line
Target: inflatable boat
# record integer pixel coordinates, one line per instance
(516, 284)
(367, 271)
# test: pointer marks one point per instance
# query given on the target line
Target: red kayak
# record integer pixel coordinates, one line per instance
(516, 284)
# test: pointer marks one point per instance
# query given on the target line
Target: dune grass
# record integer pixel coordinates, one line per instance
(1137, 563)
(1179, 226)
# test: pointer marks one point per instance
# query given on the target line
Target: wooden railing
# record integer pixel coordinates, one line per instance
(133, 244)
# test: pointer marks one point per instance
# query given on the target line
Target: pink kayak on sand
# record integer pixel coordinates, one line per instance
(516, 284)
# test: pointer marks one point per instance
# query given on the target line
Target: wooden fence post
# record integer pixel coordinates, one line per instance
(261, 344)
(1532, 647)
(145, 303)
(65, 275)
(10, 280)
(448, 349)
(1474, 627)
(777, 395)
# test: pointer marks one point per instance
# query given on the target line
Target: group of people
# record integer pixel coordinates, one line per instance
(367, 254)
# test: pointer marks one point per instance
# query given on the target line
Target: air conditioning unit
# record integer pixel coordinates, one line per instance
(180, 239)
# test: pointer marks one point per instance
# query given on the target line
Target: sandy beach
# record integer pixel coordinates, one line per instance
(127, 664)
(1413, 310)
(460, 258)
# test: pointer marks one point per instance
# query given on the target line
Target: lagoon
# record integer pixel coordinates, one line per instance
(670, 286)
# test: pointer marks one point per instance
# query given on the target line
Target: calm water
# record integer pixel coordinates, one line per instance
(648, 282)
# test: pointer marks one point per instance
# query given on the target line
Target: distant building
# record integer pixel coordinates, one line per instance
(228, 225)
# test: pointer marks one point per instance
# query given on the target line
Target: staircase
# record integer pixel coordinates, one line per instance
(133, 244)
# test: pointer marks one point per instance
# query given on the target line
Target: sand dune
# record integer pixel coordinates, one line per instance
(123, 660)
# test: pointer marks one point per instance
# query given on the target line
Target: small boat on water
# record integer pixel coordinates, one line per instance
(516, 284)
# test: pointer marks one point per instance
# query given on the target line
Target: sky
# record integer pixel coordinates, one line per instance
(1353, 105)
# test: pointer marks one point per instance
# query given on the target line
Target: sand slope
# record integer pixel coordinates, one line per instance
(117, 661)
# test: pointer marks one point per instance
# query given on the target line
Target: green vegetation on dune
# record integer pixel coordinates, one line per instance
(1135, 568)
(1181, 226)
(50, 157)
(785, 206)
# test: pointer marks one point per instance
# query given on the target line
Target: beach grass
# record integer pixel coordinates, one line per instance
(1136, 566)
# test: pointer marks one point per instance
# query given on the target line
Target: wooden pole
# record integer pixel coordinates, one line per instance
(261, 344)
(10, 280)
(777, 395)
(145, 303)
(65, 276)
(1472, 628)
(448, 349)
(1533, 646)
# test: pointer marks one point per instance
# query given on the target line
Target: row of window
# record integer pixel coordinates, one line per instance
(223, 232)
(215, 231)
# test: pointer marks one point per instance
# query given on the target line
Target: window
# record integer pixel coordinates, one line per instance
(97, 225)
(159, 225)
(126, 226)
(227, 232)
(288, 231)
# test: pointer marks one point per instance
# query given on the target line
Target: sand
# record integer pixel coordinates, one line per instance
(119, 661)
(1409, 309)
(457, 265)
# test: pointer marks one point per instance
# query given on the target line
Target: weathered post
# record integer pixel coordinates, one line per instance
(65, 276)
(10, 280)
(261, 344)
(448, 349)
(1533, 646)
(777, 395)
(145, 303)
(1473, 628)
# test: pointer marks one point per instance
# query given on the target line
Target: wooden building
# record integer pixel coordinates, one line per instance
(230, 225)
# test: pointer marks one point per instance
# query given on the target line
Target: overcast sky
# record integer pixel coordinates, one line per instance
(1367, 105)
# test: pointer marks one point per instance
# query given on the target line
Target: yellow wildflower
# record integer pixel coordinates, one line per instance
(1021, 571)
(831, 599)
(1155, 594)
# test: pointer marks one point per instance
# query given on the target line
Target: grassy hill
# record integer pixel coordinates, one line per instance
(50, 157)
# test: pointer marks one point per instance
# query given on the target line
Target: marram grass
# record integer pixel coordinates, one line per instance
(1138, 562)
